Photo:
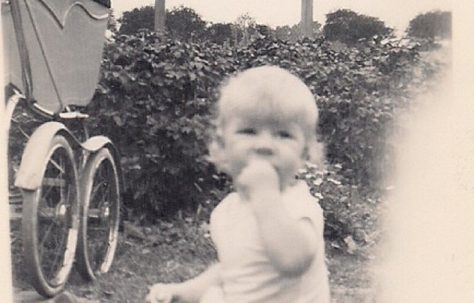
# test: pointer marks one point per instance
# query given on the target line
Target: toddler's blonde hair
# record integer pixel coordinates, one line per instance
(266, 92)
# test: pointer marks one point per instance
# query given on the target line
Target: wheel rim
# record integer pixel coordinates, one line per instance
(102, 217)
(56, 225)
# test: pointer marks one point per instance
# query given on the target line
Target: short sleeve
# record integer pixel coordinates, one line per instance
(217, 217)
(300, 204)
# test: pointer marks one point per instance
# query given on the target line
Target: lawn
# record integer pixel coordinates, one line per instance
(175, 251)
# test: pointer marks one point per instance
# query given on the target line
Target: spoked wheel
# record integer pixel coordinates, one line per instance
(50, 221)
(100, 215)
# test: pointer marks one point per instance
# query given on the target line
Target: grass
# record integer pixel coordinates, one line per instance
(175, 251)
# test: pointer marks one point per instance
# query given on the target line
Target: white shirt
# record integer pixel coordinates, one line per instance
(247, 273)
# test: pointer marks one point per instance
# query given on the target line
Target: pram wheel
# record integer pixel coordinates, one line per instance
(50, 220)
(100, 215)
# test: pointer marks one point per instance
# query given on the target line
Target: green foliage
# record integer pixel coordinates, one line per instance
(182, 23)
(244, 28)
(351, 215)
(185, 24)
(263, 30)
(431, 25)
(293, 33)
(349, 27)
(155, 101)
(219, 33)
(287, 33)
(137, 19)
(357, 99)
(112, 22)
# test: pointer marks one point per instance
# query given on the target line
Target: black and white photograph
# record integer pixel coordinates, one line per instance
(204, 151)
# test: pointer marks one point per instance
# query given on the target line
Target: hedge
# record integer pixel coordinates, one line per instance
(156, 95)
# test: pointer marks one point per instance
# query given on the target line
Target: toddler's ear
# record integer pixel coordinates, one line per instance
(219, 139)
(217, 154)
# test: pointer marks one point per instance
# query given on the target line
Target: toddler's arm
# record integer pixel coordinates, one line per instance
(189, 291)
(290, 243)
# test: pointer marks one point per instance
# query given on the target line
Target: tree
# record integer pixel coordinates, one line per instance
(138, 18)
(263, 30)
(293, 33)
(185, 24)
(349, 27)
(242, 27)
(430, 25)
(219, 33)
(182, 23)
(288, 33)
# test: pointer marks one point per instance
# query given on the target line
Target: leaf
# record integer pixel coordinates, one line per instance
(350, 245)
(118, 121)
(318, 181)
(177, 54)
(334, 181)
(109, 292)
(133, 231)
(359, 92)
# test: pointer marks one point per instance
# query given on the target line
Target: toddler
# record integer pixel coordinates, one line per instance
(269, 232)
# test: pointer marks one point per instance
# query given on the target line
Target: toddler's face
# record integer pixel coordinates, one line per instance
(280, 143)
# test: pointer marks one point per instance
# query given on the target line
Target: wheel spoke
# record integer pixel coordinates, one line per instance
(58, 256)
(48, 191)
(47, 232)
(103, 192)
(57, 165)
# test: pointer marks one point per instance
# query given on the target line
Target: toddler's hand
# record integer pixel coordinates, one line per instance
(258, 176)
(161, 293)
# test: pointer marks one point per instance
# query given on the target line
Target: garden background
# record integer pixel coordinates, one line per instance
(155, 101)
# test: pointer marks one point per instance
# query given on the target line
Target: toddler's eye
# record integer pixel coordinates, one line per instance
(247, 131)
(284, 134)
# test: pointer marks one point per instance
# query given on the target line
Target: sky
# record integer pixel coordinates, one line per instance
(395, 13)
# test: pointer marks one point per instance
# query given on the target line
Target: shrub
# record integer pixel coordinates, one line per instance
(349, 27)
(431, 25)
(351, 216)
(155, 101)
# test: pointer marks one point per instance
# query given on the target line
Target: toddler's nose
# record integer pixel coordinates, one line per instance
(264, 145)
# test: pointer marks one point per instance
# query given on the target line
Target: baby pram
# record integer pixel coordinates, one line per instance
(64, 185)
